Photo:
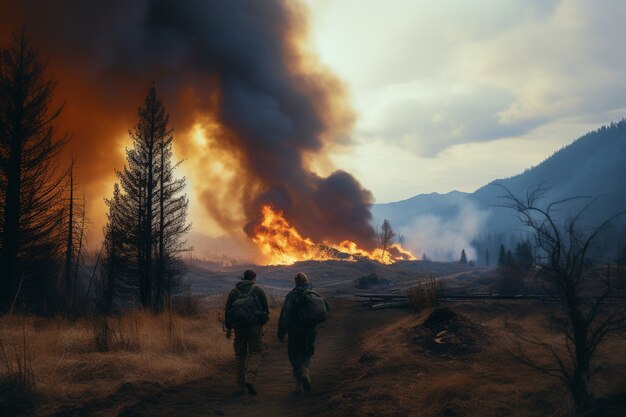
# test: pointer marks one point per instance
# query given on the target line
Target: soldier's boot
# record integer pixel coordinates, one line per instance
(305, 379)
(298, 388)
(241, 375)
(252, 367)
(250, 378)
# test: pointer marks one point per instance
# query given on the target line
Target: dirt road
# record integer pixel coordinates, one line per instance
(337, 352)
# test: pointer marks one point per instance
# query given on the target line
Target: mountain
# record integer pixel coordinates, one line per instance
(593, 165)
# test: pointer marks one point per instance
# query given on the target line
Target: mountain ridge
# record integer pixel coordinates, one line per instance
(594, 165)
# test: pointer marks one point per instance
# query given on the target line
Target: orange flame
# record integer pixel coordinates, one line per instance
(282, 244)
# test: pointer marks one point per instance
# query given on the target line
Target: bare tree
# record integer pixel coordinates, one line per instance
(385, 237)
(587, 316)
(31, 239)
(74, 225)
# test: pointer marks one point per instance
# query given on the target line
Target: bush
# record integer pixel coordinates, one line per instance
(367, 281)
(107, 338)
(425, 294)
(17, 382)
(510, 281)
(187, 305)
(101, 334)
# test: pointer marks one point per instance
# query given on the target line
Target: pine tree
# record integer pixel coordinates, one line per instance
(509, 259)
(487, 263)
(463, 259)
(501, 255)
(114, 255)
(172, 222)
(524, 257)
(147, 217)
(31, 239)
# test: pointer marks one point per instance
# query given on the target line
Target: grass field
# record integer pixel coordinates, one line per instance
(376, 366)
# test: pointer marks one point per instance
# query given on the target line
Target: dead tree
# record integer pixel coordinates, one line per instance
(80, 252)
(385, 237)
(75, 218)
(69, 248)
(586, 317)
(31, 239)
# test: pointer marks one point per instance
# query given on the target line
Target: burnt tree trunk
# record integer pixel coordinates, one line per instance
(161, 260)
(10, 237)
(69, 250)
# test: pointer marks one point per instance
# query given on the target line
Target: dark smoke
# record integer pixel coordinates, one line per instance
(237, 62)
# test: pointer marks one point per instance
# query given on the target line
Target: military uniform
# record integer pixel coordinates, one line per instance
(301, 339)
(248, 340)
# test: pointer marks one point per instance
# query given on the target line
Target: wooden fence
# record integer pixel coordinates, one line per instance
(396, 300)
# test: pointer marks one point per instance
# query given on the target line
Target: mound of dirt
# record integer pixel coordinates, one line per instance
(447, 332)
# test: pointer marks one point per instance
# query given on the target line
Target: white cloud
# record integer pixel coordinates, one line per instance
(451, 95)
(426, 76)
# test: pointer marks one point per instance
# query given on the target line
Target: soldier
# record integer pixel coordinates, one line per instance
(302, 310)
(247, 311)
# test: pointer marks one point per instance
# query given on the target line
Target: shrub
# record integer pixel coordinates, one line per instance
(425, 294)
(17, 381)
(187, 305)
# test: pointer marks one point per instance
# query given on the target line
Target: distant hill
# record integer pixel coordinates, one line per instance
(593, 165)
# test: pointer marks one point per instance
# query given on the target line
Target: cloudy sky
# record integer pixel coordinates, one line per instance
(450, 95)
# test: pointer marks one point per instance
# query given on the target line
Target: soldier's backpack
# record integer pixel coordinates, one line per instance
(245, 310)
(312, 308)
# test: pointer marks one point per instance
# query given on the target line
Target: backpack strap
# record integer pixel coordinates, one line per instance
(255, 295)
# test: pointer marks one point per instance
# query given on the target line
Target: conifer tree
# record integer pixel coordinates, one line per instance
(31, 239)
(147, 215)
(501, 255)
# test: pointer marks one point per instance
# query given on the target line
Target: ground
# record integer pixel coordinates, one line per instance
(367, 362)
(340, 339)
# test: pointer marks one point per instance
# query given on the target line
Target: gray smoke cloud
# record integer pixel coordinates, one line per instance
(237, 62)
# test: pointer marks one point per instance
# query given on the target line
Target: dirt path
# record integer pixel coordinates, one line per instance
(336, 350)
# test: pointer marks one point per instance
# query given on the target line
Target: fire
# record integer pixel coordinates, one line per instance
(282, 244)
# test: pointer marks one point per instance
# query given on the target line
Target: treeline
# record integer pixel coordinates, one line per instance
(42, 208)
(495, 249)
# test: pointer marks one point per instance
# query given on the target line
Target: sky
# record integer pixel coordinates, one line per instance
(446, 95)
(451, 95)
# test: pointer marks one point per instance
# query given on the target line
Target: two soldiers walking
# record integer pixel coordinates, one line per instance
(247, 311)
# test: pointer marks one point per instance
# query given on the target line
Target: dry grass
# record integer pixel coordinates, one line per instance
(490, 382)
(424, 294)
(89, 359)
(17, 377)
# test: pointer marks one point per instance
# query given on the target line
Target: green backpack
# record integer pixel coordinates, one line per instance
(312, 308)
(245, 311)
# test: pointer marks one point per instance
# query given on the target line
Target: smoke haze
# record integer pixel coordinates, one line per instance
(443, 238)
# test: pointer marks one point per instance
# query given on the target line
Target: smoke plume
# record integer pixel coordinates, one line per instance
(249, 105)
(443, 238)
